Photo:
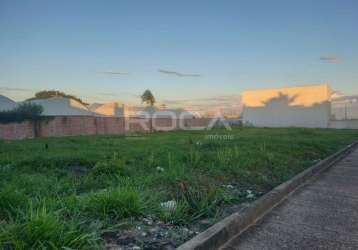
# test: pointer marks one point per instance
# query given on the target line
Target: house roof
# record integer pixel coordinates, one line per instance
(6, 103)
(62, 106)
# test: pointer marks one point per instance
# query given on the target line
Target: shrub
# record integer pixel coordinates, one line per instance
(193, 203)
(108, 167)
(25, 111)
(40, 229)
(10, 201)
(115, 203)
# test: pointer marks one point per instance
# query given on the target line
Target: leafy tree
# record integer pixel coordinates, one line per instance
(25, 111)
(148, 98)
(163, 106)
(45, 94)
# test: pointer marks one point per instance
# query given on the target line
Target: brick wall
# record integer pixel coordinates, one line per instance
(81, 125)
(16, 131)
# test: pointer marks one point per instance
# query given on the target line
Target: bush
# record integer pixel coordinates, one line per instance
(25, 111)
(116, 203)
(40, 229)
(194, 202)
(108, 167)
(10, 201)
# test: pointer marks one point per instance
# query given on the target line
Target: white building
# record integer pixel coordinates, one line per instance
(155, 112)
(306, 106)
(109, 109)
(6, 103)
(167, 113)
(178, 113)
(345, 108)
(61, 106)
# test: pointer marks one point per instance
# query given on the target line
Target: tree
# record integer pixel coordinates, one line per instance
(148, 98)
(163, 106)
(45, 94)
(23, 112)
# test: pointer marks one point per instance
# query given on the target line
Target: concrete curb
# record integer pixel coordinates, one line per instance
(220, 233)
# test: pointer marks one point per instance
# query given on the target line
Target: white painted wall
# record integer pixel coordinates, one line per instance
(345, 108)
(277, 115)
(344, 124)
(307, 106)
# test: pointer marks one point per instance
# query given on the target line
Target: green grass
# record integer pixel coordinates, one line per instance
(65, 192)
(118, 204)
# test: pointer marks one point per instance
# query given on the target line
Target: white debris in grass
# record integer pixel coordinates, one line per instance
(229, 186)
(160, 169)
(250, 194)
(5, 167)
(170, 205)
(148, 221)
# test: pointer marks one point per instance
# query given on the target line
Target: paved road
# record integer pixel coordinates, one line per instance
(320, 215)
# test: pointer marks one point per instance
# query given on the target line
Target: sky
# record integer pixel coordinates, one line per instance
(183, 51)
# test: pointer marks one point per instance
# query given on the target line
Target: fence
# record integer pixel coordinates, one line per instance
(344, 110)
(88, 125)
(344, 124)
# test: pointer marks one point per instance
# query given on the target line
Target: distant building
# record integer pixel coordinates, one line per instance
(161, 112)
(178, 113)
(306, 106)
(109, 109)
(345, 108)
(61, 106)
(6, 103)
(139, 111)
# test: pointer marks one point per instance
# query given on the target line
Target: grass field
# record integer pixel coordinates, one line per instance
(75, 192)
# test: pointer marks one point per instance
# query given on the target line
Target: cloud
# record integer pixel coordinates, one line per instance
(223, 99)
(179, 74)
(229, 100)
(331, 59)
(16, 89)
(112, 72)
(227, 104)
(119, 94)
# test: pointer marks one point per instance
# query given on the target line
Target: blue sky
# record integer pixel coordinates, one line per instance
(233, 46)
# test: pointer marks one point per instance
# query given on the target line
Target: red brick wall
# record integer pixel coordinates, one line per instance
(15, 131)
(67, 126)
(82, 125)
(133, 125)
(197, 123)
(163, 124)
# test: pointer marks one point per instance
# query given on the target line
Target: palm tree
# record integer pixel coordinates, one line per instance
(149, 99)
